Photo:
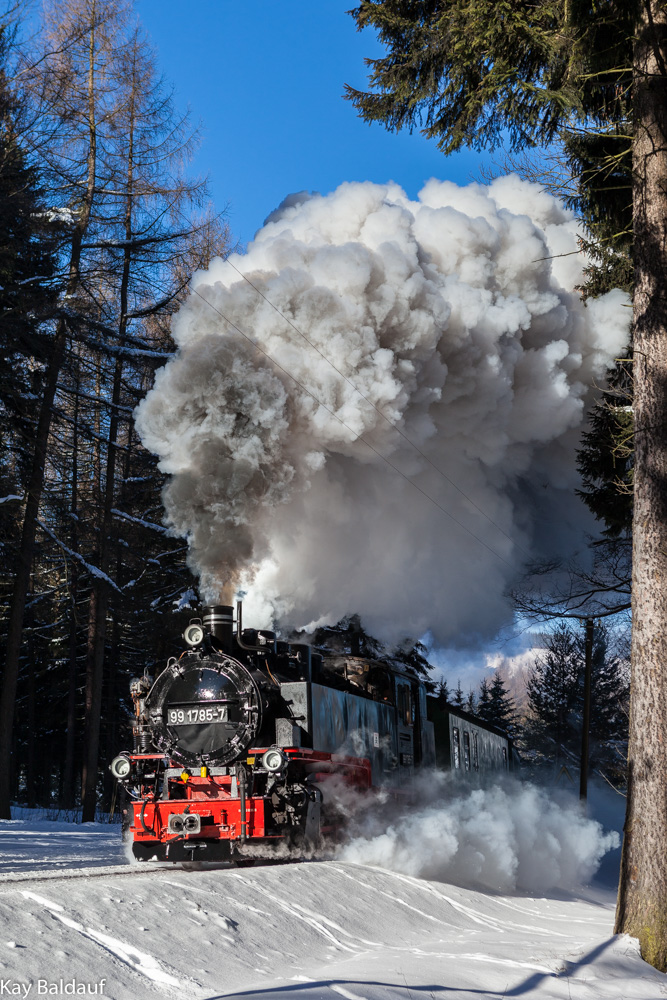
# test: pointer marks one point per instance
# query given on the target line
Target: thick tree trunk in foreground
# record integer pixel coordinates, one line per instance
(642, 900)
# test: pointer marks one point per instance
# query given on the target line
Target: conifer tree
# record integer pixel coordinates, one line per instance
(148, 232)
(609, 688)
(553, 689)
(502, 711)
(27, 301)
(414, 657)
(442, 692)
(484, 700)
(27, 277)
(480, 75)
(606, 457)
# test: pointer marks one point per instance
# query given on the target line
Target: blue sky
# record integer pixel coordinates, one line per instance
(266, 81)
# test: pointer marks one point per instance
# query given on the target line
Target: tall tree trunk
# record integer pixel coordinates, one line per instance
(30, 790)
(111, 714)
(97, 640)
(68, 796)
(93, 707)
(98, 622)
(642, 900)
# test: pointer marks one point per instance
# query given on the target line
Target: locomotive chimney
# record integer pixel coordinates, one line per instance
(218, 619)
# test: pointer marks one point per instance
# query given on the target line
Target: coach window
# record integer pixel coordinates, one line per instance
(457, 747)
(475, 752)
(405, 705)
(504, 756)
(466, 751)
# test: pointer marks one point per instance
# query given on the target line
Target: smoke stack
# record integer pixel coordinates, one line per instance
(218, 619)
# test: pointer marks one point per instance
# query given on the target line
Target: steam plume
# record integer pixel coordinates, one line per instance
(457, 317)
(512, 835)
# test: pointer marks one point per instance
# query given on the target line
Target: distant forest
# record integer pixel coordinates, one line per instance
(101, 227)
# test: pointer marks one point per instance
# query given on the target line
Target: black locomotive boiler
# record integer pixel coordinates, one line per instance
(236, 741)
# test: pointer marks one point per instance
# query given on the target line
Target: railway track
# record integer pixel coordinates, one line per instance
(10, 879)
(104, 871)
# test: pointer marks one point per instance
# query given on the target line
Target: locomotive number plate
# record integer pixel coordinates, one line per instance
(195, 715)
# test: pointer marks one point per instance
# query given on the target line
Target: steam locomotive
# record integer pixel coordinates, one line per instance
(241, 742)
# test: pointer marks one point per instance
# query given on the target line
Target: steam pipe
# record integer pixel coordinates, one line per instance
(239, 628)
(146, 829)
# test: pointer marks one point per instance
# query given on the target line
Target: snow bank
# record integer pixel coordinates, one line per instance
(313, 931)
(31, 842)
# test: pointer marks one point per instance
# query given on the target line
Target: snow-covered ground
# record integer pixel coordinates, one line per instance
(320, 929)
(30, 843)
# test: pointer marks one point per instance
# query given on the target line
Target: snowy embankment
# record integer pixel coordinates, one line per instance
(311, 930)
(29, 844)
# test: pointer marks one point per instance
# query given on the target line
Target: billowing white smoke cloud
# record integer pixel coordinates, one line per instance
(510, 836)
(456, 317)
